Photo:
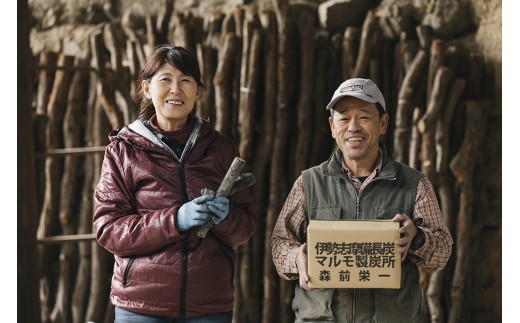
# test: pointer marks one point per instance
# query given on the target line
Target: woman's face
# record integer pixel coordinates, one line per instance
(173, 94)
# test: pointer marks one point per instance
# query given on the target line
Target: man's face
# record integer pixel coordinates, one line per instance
(356, 127)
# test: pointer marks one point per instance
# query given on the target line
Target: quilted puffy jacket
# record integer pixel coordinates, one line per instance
(159, 270)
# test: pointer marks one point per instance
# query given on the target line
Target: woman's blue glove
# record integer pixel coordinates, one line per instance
(194, 213)
(219, 207)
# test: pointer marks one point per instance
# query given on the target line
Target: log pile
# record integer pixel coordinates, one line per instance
(269, 75)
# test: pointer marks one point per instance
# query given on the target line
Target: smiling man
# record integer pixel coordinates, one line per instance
(360, 181)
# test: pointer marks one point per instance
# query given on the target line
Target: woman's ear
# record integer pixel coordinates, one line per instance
(146, 89)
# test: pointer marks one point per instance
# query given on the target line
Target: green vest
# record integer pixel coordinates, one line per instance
(330, 195)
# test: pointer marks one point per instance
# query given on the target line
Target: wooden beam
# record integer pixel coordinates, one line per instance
(70, 151)
(67, 238)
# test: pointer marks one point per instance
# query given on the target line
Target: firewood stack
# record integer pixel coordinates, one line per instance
(269, 74)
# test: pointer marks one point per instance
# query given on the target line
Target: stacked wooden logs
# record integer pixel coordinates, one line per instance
(269, 75)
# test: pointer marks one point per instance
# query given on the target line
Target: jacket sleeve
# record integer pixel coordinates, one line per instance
(436, 251)
(119, 227)
(290, 232)
(240, 224)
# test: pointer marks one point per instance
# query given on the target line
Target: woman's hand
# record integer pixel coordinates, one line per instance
(193, 213)
(219, 208)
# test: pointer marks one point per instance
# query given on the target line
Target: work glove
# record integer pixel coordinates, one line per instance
(194, 213)
(219, 208)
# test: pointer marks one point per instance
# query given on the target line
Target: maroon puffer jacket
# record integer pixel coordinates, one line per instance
(159, 270)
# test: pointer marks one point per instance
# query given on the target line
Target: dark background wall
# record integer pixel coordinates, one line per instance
(63, 26)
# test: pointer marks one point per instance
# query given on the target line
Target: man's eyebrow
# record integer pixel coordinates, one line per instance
(366, 109)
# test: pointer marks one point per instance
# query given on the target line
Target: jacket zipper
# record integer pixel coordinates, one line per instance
(187, 149)
(184, 269)
(127, 270)
(358, 212)
(184, 272)
(354, 296)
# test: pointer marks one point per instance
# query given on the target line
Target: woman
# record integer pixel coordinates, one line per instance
(149, 205)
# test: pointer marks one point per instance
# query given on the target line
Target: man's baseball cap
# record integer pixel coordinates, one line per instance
(363, 89)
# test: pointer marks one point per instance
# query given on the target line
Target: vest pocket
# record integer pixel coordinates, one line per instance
(315, 305)
(326, 213)
(397, 305)
(400, 305)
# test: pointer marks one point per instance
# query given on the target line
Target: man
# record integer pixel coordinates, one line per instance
(361, 181)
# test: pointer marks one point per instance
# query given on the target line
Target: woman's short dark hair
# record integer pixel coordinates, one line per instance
(184, 59)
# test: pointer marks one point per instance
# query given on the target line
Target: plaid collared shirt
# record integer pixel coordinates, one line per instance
(290, 231)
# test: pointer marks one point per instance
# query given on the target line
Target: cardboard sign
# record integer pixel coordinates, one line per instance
(353, 254)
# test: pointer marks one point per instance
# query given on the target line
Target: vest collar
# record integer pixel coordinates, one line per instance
(332, 167)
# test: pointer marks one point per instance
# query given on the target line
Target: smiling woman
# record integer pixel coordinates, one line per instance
(149, 202)
(169, 85)
(173, 95)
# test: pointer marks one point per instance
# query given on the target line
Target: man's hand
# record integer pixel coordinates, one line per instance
(301, 264)
(408, 231)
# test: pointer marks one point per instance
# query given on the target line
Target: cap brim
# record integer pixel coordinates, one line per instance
(360, 96)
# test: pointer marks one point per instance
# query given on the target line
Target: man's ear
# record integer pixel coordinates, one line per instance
(146, 89)
(383, 123)
(332, 129)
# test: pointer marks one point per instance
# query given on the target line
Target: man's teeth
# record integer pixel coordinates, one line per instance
(355, 139)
